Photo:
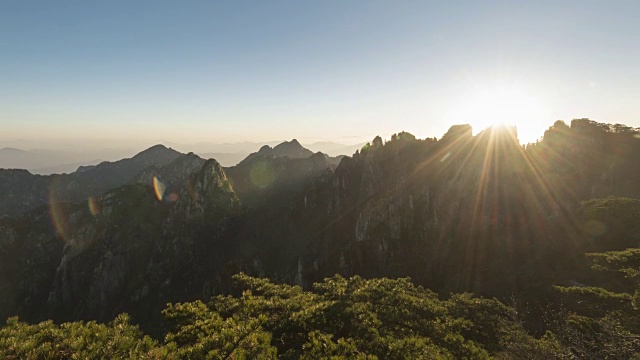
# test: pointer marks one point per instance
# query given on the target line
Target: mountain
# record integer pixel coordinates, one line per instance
(23, 191)
(462, 213)
(173, 176)
(245, 148)
(230, 154)
(107, 175)
(276, 172)
(291, 149)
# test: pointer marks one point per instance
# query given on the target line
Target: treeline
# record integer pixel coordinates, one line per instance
(342, 318)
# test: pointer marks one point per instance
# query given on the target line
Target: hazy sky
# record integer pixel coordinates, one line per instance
(315, 70)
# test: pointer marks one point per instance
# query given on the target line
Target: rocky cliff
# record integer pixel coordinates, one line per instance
(170, 178)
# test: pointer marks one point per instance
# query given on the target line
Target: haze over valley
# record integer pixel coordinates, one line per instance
(64, 157)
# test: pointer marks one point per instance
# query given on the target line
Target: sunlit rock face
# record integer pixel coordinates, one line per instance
(207, 193)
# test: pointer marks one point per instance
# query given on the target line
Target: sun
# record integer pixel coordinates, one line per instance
(500, 104)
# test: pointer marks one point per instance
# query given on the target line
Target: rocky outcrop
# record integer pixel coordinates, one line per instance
(173, 176)
(207, 193)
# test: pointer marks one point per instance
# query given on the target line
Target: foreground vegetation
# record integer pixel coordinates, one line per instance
(357, 318)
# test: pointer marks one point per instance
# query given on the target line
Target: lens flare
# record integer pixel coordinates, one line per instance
(57, 209)
(58, 219)
(595, 228)
(173, 197)
(159, 188)
(262, 174)
(93, 206)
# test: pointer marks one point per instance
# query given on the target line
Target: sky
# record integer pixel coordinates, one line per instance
(343, 71)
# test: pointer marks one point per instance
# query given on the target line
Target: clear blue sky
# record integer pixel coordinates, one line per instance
(315, 70)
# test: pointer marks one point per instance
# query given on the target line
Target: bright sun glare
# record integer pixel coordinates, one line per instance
(500, 104)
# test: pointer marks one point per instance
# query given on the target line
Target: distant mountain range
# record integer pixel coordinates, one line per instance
(43, 161)
(22, 191)
(52, 161)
